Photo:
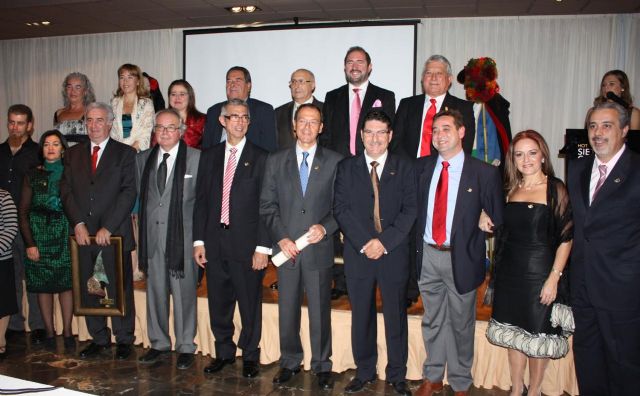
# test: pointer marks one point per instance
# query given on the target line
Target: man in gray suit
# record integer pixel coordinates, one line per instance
(296, 198)
(166, 181)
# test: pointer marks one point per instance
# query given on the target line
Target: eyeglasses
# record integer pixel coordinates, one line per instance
(369, 132)
(304, 123)
(299, 82)
(237, 117)
(168, 128)
(178, 94)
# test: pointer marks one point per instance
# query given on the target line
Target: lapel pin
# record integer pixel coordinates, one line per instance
(530, 206)
(616, 180)
(446, 108)
(392, 173)
(470, 189)
(316, 167)
(246, 164)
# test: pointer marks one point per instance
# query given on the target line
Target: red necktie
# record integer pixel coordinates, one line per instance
(439, 231)
(226, 185)
(356, 107)
(427, 130)
(94, 159)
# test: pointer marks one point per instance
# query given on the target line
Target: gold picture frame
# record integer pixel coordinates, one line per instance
(86, 302)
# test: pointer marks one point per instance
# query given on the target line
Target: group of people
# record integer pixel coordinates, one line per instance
(413, 203)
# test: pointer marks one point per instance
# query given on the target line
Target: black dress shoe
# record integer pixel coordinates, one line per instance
(123, 351)
(185, 360)
(70, 342)
(38, 336)
(250, 369)
(217, 365)
(93, 350)
(274, 285)
(400, 388)
(356, 385)
(325, 380)
(285, 375)
(13, 333)
(151, 356)
(337, 293)
(49, 342)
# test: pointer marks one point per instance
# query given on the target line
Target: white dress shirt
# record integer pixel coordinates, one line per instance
(595, 173)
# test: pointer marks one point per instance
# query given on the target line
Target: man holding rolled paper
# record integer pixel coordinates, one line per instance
(295, 201)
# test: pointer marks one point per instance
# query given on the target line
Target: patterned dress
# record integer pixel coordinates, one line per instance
(44, 224)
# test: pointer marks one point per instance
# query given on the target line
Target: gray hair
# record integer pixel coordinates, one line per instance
(182, 127)
(234, 102)
(623, 114)
(89, 95)
(438, 58)
(101, 106)
(313, 77)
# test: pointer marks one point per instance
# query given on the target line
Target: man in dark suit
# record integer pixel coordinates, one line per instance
(605, 260)
(344, 111)
(414, 119)
(166, 179)
(98, 191)
(296, 198)
(302, 85)
(453, 189)
(375, 206)
(262, 129)
(230, 238)
(18, 154)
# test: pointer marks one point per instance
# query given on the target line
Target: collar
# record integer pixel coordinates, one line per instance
(239, 146)
(311, 151)
(456, 161)
(380, 160)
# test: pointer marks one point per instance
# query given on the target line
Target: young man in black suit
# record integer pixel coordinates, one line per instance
(231, 240)
(375, 206)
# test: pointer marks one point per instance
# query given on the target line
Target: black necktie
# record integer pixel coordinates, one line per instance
(161, 175)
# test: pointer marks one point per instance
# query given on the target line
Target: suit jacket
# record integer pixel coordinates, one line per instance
(605, 258)
(480, 188)
(289, 214)
(408, 122)
(157, 208)
(353, 209)
(262, 129)
(336, 131)
(284, 120)
(245, 225)
(104, 199)
(142, 117)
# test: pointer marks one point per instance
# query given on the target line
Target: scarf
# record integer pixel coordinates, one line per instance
(174, 253)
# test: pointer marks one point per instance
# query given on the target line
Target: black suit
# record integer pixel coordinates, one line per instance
(103, 200)
(336, 109)
(261, 132)
(353, 209)
(407, 127)
(284, 121)
(605, 276)
(229, 252)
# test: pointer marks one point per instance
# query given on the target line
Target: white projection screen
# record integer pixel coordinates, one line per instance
(272, 53)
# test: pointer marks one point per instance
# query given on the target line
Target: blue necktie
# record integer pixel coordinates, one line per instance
(304, 172)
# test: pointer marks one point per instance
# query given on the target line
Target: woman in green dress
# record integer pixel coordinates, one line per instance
(45, 231)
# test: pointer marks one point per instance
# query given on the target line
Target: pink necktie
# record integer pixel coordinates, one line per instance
(356, 106)
(226, 185)
(603, 176)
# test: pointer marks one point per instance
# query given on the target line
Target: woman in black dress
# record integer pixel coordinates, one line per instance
(530, 312)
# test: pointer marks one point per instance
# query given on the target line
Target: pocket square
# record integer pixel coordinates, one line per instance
(377, 103)
(188, 176)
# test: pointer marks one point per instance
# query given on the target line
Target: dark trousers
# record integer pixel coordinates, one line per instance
(606, 348)
(17, 321)
(122, 326)
(364, 323)
(229, 281)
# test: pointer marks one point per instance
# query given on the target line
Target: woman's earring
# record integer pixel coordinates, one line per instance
(543, 160)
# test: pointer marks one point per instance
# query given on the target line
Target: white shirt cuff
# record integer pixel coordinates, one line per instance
(262, 249)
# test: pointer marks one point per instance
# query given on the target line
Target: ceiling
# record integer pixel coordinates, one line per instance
(99, 16)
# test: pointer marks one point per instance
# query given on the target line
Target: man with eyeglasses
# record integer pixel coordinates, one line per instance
(166, 179)
(296, 198)
(302, 86)
(231, 240)
(344, 111)
(262, 129)
(375, 206)
(98, 191)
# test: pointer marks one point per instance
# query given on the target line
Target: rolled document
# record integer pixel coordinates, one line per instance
(301, 243)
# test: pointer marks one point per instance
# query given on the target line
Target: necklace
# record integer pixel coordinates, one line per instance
(531, 186)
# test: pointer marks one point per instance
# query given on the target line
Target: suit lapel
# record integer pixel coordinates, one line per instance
(362, 171)
(463, 189)
(585, 180)
(425, 183)
(314, 171)
(294, 171)
(105, 159)
(616, 178)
